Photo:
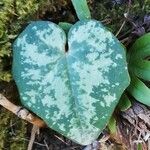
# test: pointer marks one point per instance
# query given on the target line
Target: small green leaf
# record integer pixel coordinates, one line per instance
(140, 49)
(124, 103)
(141, 69)
(81, 9)
(141, 43)
(74, 92)
(139, 90)
(141, 53)
(112, 125)
(139, 146)
(65, 26)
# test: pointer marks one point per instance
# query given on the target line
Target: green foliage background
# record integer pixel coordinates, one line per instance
(16, 14)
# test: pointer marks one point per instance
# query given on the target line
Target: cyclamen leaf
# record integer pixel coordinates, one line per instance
(74, 92)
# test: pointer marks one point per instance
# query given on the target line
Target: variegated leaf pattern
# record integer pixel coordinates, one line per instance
(75, 92)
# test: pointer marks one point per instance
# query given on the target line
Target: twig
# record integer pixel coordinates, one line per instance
(121, 28)
(124, 22)
(61, 139)
(35, 129)
(124, 40)
(21, 112)
(149, 144)
(46, 145)
(40, 144)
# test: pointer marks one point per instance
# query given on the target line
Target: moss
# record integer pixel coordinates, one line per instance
(13, 15)
(12, 132)
(12, 129)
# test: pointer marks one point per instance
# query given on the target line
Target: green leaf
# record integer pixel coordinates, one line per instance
(140, 49)
(141, 53)
(139, 90)
(65, 26)
(139, 146)
(141, 69)
(141, 43)
(124, 103)
(112, 125)
(74, 92)
(81, 9)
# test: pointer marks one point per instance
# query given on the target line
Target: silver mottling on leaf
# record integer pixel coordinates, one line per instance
(74, 92)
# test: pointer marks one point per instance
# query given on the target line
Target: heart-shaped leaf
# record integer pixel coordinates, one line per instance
(75, 92)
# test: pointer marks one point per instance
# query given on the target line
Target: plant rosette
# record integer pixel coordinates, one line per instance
(139, 68)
